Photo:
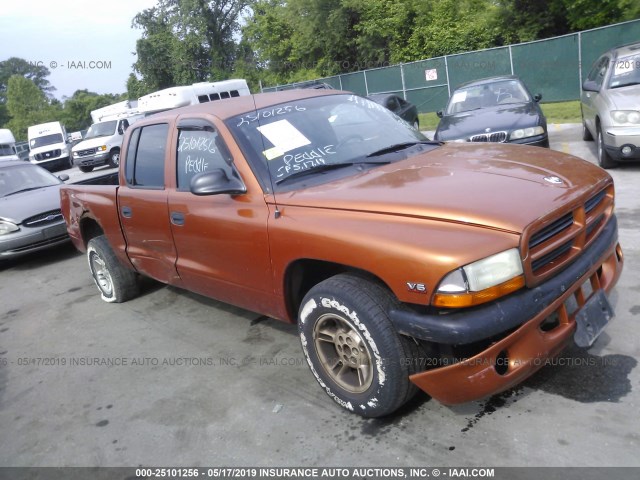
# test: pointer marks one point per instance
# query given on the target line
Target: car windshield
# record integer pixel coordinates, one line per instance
(6, 150)
(310, 138)
(626, 71)
(46, 140)
(21, 178)
(104, 129)
(488, 95)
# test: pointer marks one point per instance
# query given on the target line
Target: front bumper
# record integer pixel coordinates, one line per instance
(525, 350)
(28, 240)
(91, 160)
(537, 141)
(616, 138)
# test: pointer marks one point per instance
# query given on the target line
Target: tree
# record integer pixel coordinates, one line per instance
(28, 105)
(186, 41)
(76, 114)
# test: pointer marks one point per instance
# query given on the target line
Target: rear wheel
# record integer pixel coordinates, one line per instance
(604, 159)
(86, 169)
(353, 349)
(116, 283)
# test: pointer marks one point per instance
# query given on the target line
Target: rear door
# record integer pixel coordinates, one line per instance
(142, 204)
(589, 98)
(221, 240)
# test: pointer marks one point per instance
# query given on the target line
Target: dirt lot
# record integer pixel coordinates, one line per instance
(172, 378)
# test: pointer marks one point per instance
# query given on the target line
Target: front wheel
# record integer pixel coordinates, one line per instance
(114, 158)
(353, 349)
(116, 283)
(604, 159)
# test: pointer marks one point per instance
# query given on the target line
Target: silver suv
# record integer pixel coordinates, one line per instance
(610, 103)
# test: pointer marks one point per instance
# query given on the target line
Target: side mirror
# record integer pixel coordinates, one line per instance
(64, 177)
(440, 113)
(216, 182)
(537, 97)
(590, 86)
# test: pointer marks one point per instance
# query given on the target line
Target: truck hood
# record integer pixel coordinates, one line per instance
(91, 143)
(492, 185)
(20, 206)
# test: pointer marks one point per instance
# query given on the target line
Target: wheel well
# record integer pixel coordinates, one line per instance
(114, 149)
(89, 229)
(302, 275)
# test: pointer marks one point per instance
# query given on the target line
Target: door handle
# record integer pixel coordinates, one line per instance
(126, 212)
(177, 218)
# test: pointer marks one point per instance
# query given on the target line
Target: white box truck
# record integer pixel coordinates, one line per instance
(49, 146)
(7, 145)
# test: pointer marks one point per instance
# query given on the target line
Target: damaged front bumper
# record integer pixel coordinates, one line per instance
(527, 348)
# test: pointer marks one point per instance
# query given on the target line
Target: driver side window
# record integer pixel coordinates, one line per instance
(201, 151)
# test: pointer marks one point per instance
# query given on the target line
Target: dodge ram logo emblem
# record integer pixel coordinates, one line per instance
(554, 180)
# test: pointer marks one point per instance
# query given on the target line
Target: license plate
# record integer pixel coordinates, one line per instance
(592, 318)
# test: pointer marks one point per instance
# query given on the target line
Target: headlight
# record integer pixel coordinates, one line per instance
(103, 148)
(481, 281)
(7, 227)
(458, 140)
(75, 154)
(526, 132)
(625, 116)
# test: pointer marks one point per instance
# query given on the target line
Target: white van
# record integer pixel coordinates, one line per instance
(7, 145)
(101, 144)
(49, 147)
(203, 92)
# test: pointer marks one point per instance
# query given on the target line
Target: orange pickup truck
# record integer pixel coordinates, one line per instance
(455, 268)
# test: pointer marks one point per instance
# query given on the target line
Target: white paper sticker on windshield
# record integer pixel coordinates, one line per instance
(623, 66)
(459, 97)
(284, 137)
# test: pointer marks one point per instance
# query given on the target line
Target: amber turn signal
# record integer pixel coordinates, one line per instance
(471, 299)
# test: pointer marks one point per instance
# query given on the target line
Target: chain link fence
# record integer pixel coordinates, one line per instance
(553, 67)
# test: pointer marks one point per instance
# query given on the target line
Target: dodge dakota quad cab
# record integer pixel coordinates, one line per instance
(458, 269)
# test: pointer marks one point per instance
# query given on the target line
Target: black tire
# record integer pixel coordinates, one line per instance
(86, 169)
(114, 158)
(352, 348)
(604, 159)
(115, 282)
(586, 134)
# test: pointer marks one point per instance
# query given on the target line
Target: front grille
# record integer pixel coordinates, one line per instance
(47, 155)
(88, 151)
(553, 242)
(45, 218)
(495, 137)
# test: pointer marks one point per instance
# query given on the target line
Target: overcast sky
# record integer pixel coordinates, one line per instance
(67, 35)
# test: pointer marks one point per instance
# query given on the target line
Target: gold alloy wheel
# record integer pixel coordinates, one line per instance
(343, 353)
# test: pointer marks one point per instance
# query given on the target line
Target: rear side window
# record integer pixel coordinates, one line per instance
(200, 151)
(146, 156)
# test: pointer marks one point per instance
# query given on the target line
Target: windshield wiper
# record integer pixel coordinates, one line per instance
(401, 146)
(626, 85)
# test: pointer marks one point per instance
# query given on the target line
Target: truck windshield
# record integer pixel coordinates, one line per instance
(298, 140)
(103, 129)
(46, 140)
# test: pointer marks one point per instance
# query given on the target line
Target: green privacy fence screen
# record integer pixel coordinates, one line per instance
(553, 67)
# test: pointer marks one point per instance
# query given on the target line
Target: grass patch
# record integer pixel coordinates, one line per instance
(560, 112)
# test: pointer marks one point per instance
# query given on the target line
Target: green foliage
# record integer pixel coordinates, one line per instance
(185, 41)
(28, 105)
(18, 66)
